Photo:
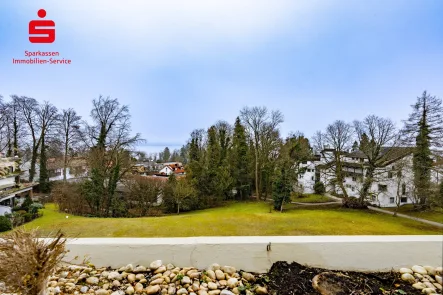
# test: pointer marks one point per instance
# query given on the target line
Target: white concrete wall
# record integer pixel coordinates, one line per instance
(166, 170)
(307, 179)
(5, 210)
(68, 175)
(353, 187)
(364, 253)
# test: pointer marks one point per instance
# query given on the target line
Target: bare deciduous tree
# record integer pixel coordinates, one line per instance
(261, 125)
(333, 144)
(29, 110)
(378, 138)
(109, 138)
(404, 182)
(47, 120)
(143, 192)
(69, 126)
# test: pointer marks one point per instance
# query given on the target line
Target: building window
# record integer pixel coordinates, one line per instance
(403, 199)
(312, 178)
(382, 188)
(352, 188)
(389, 174)
(391, 200)
(403, 189)
(300, 176)
(354, 178)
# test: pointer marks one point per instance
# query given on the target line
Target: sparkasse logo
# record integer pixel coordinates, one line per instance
(35, 30)
(41, 32)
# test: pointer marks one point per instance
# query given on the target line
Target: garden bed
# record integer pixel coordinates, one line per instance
(293, 278)
(283, 278)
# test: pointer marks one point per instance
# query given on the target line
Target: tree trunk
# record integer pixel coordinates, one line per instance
(43, 177)
(65, 162)
(9, 152)
(15, 137)
(339, 177)
(33, 163)
(178, 208)
(257, 190)
(367, 184)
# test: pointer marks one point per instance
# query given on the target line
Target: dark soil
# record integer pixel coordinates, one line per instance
(293, 279)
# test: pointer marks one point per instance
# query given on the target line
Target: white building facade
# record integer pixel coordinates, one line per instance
(12, 192)
(392, 185)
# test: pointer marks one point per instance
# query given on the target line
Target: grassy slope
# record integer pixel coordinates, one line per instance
(312, 198)
(236, 219)
(434, 215)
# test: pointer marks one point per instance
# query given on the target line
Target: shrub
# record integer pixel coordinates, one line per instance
(26, 262)
(297, 195)
(354, 203)
(5, 224)
(37, 205)
(28, 217)
(319, 188)
(436, 196)
(67, 195)
(142, 193)
(26, 204)
(17, 218)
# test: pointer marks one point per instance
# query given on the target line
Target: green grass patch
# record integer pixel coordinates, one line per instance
(435, 214)
(236, 219)
(311, 198)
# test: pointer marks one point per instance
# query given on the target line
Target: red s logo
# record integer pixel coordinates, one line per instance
(34, 30)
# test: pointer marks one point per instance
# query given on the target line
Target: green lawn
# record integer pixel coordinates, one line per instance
(236, 219)
(311, 198)
(433, 215)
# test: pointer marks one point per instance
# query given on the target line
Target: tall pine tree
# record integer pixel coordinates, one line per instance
(425, 127)
(240, 165)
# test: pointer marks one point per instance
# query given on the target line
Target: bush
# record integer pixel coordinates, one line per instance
(5, 224)
(27, 261)
(28, 217)
(436, 196)
(319, 188)
(354, 203)
(26, 204)
(68, 197)
(37, 205)
(33, 209)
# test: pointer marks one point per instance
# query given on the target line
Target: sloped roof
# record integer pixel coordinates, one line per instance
(57, 163)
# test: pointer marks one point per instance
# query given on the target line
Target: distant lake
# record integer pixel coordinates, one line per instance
(156, 148)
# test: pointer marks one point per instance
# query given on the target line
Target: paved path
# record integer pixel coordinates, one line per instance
(437, 224)
(408, 217)
(339, 200)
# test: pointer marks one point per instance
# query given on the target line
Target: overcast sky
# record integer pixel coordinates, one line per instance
(182, 65)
